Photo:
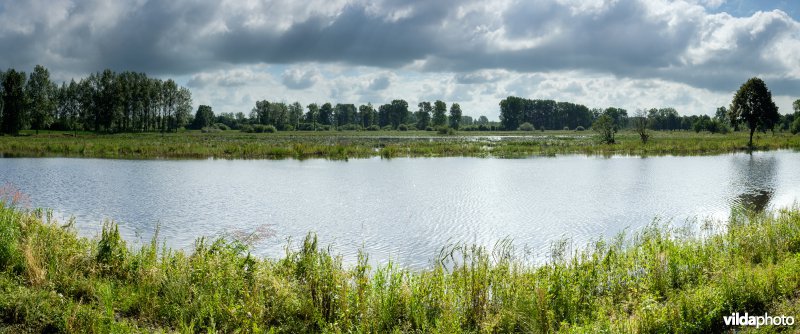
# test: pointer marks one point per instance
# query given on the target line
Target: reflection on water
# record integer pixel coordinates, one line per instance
(755, 201)
(405, 209)
(755, 175)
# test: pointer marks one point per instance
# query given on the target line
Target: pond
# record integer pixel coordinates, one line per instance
(401, 209)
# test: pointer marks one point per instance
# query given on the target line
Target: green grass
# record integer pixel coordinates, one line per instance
(362, 144)
(659, 280)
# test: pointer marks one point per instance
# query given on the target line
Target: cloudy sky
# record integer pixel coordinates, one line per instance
(688, 54)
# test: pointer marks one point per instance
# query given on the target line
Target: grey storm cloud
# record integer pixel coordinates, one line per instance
(479, 77)
(382, 82)
(669, 40)
(300, 78)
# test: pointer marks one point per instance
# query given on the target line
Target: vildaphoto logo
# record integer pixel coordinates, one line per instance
(736, 319)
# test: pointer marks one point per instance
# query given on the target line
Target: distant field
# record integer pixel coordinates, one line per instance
(362, 144)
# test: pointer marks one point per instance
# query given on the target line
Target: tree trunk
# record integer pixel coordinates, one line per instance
(752, 130)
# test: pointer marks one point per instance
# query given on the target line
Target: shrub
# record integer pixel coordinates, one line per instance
(605, 127)
(443, 130)
(526, 127)
(259, 128)
(387, 128)
(402, 127)
(373, 128)
(580, 128)
(796, 126)
(305, 127)
(222, 126)
(566, 128)
(111, 250)
(209, 129)
(247, 128)
(350, 127)
(429, 128)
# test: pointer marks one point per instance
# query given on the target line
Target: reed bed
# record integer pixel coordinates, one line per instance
(660, 279)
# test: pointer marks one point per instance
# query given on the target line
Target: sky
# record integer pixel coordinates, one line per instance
(688, 54)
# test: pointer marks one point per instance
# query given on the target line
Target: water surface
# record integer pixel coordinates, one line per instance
(402, 209)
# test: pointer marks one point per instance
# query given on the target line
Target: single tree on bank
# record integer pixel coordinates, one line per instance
(605, 127)
(753, 105)
(204, 117)
(640, 125)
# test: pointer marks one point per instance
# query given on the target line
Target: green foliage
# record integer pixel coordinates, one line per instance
(402, 127)
(204, 117)
(373, 128)
(455, 116)
(339, 145)
(547, 113)
(261, 128)
(444, 130)
(424, 115)
(247, 128)
(526, 127)
(439, 117)
(753, 105)
(580, 128)
(10, 254)
(14, 102)
(661, 279)
(796, 126)
(350, 127)
(112, 252)
(605, 128)
(41, 98)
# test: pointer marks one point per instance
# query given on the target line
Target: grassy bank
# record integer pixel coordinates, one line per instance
(660, 280)
(351, 144)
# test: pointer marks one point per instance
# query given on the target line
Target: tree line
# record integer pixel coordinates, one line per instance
(113, 102)
(396, 115)
(518, 113)
(102, 102)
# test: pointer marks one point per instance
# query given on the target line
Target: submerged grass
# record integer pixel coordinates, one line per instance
(388, 144)
(659, 280)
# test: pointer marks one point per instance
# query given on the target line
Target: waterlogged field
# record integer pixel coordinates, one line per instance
(360, 144)
(658, 280)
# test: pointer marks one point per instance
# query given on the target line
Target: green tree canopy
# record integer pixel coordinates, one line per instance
(606, 128)
(455, 115)
(203, 117)
(424, 115)
(439, 116)
(41, 98)
(13, 102)
(752, 104)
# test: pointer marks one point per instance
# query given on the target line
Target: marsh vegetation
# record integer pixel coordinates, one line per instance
(659, 279)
